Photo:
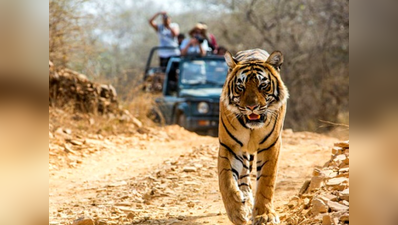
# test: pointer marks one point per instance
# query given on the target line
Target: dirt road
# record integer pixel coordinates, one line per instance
(165, 176)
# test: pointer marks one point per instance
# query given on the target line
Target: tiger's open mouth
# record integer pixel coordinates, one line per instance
(255, 118)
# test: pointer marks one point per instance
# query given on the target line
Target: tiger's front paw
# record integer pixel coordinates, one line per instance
(266, 218)
(248, 196)
(237, 209)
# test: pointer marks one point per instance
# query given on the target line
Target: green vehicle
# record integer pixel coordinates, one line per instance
(191, 91)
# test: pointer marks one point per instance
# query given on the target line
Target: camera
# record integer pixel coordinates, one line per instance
(165, 16)
(199, 38)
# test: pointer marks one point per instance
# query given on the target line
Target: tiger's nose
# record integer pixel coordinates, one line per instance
(252, 107)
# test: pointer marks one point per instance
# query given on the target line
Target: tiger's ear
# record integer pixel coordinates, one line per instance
(230, 60)
(276, 60)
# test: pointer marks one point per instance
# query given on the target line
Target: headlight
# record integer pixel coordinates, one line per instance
(203, 107)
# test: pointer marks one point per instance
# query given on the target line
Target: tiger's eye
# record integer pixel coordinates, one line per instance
(240, 86)
(263, 85)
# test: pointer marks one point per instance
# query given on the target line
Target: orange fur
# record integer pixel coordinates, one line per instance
(252, 111)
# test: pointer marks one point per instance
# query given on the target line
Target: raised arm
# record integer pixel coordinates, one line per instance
(152, 20)
(174, 30)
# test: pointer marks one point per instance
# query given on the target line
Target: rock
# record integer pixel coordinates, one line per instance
(102, 222)
(330, 197)
(136, 122)
(318, 206)
(344, 218)
(335, 206)
(340, 157)
(83, 221)
(344, 170)
(181, 217)
(293, 202)
(343, 144)
(316, 183)
(75, 142)
(125, 209)
(305, 186)
(327, 220)
(306, 202)
(337, 181)
(68, 149)
(337, 150)
(189, 169)
(191, 204)
(345, 194)
(344, 202)
(130, 216)
(347, 160)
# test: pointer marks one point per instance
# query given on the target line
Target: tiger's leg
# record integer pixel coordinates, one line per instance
(230, 166)
(267, 161)
(244, 179)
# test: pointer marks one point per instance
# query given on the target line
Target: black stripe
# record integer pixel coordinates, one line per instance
(269, 134)
(275, 97)
(277, 88)
(260, 167)
(223, 171)
(251, 54)
(265, 149)
(260, 69)
(243, 184)
(232, 136)
(251, 158)
(245, 70)
(230, 123)
(270, 120)
(250, 168)
(258, 178)
(229, 91)
(232, 169)
(236, 173)
(245, 157)
(233, 153)
(262, 53)
(225, 158)
(243, 176)
(265, 197)
(240, 119)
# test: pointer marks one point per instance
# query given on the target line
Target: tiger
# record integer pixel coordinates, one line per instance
(252, 112)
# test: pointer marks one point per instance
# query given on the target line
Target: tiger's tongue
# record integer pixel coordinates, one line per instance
(253, 116)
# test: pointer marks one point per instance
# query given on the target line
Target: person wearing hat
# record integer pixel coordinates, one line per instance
(211, 39)
(197, 43)
(167, 33)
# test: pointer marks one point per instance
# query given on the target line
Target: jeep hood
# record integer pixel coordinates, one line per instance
(201, 92)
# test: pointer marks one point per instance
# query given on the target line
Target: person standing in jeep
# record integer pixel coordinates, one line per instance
(167, 33)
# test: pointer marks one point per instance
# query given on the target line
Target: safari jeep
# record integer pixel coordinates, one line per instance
(191, 92)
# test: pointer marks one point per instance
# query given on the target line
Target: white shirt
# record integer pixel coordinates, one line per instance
(194, 49)
(166, 39)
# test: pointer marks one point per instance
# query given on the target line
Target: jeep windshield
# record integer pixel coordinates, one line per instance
(202, 72)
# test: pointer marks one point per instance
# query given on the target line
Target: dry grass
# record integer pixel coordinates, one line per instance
(82, 124)
(142, 106)
(340, 129)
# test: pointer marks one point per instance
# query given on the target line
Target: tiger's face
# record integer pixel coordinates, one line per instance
(255, 91)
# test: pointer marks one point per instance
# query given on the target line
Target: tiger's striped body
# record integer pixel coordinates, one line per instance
(252, 111)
